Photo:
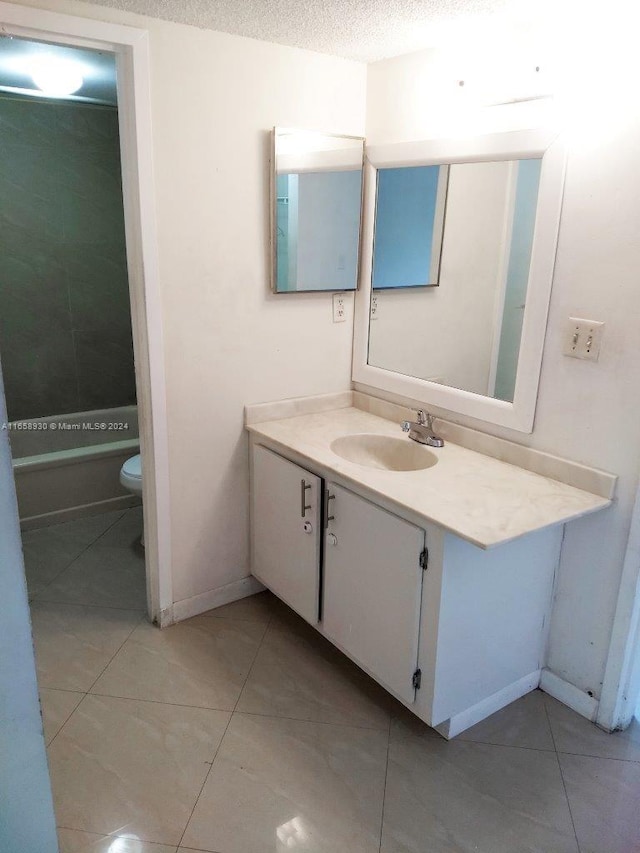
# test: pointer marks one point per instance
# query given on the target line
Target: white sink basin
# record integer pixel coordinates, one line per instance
(384, 452)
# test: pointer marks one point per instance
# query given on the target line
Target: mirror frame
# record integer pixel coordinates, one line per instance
(273, 212)
(512, 145)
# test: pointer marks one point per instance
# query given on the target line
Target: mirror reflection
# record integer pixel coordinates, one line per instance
(410, 205)
(317, 185)
(466, 332)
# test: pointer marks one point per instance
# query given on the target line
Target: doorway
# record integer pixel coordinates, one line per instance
(127, 49)
(65, 326)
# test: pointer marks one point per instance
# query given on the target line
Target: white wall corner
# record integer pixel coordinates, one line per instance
(569, 694)
(214, 598)
(165, 617)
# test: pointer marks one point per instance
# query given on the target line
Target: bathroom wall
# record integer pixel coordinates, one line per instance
(65, 326)
(586, 412)
(228, 340)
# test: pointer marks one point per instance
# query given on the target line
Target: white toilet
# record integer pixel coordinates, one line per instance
(131, 479)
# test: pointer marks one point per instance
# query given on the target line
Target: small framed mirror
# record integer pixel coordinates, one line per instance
(479, 217)
(316, 204)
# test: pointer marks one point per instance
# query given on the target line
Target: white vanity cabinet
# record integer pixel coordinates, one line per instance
(372, 589)
(454, 631)
(286, 531)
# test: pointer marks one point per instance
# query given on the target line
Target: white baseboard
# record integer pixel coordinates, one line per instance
(476, 713)
(215, 598)
(569, 694)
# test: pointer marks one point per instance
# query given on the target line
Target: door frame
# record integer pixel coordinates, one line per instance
(621, 684)
(131, 48)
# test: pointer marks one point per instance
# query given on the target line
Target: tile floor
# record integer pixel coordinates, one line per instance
(243, 731)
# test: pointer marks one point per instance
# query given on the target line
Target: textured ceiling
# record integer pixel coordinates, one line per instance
(366, 30)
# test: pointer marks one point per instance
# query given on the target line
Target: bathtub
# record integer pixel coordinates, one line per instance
(66, 466)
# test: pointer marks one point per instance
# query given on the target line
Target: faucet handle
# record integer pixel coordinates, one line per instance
(424, 418)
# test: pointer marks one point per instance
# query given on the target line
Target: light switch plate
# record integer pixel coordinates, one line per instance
(583, 338)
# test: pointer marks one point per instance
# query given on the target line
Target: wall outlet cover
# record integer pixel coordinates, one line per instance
(339, 313)
(374, 307)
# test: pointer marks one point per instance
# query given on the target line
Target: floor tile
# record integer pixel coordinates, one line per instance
(132, 768)
(523, 723)
(286, 784)
(73, 841)
(74, 644)
(46, 556)
(82, 530)
(202, 662)
(126, 532)
(604, 796)
(405, 724)
(254, 608)
(104, 577)
(443, 797)
(574, 734)
(57, 706)
(299, 674)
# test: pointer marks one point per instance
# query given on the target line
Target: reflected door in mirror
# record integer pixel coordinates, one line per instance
(410, 204)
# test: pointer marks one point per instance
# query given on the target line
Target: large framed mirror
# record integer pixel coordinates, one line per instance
(473, 344)
(316, 204)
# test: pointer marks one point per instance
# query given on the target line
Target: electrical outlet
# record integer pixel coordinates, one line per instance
(583, 338)
(373, 313)
(339, 314)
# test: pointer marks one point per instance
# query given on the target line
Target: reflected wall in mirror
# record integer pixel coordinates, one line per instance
(410, 205)
(316, 210)
(465, 333)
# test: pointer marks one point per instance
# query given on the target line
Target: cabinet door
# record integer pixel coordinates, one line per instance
(373, 588)
(286, 531)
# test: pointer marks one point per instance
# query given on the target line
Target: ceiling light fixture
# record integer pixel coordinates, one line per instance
(56, 77)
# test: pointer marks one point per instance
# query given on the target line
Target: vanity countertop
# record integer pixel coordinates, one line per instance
(477, 497)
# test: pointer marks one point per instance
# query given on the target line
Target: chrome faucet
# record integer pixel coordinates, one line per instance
(422, 430)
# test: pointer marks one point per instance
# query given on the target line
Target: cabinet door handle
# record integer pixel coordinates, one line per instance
(304, 506)
(328, 497)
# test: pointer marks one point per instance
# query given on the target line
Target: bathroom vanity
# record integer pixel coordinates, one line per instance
(431, 568)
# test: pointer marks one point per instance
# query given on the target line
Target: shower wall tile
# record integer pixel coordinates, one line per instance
(34, 293)
(88, 221)
(65, 325)
(29, 193)
(105, 377)
(39, 371)
(89, 128)
(99, 287)
(21, 124)
(28, 169)
(91, 196)
(94, 175)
